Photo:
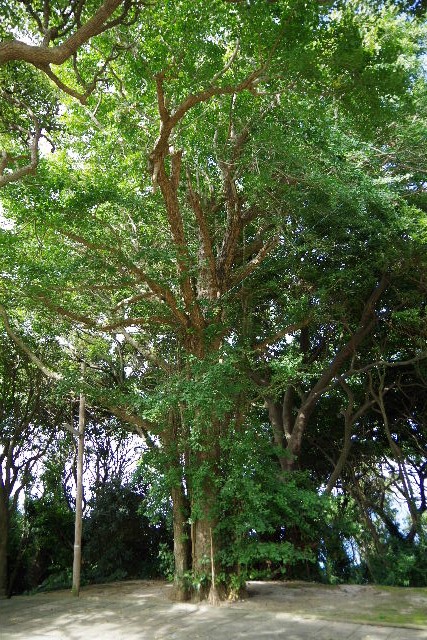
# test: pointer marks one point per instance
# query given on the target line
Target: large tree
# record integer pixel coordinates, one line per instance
(208, 212)
(34, 37)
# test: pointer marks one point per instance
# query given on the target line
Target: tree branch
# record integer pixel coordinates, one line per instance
(242, 274)
(49, 373)
(170, 121)
(205, 236)
(7, 158)
(350, 419)
(141, 426)
(291, 328)
(169, 188)
(41, 56)
(367, 322)
(163, 293)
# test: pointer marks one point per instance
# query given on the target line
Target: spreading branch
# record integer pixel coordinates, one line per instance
(163, 293)
(169, 121)
(271, 340)
(47, 371)
(367, 323)
(350, 418)
(244, 273)
(7, 159)
(169, 189)
(43, 56)
(140, 425)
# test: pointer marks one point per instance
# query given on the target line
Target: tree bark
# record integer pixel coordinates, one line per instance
(276, 419)
(181, 543)
(41, 56)
(202, 556)
(203, 529)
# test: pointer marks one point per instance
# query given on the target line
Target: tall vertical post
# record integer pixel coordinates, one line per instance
(77, 560)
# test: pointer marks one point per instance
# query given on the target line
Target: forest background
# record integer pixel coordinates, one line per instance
(219, 210)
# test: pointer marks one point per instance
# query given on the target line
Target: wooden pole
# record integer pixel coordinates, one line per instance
(77, 560)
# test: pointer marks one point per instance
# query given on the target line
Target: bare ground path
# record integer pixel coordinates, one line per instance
(141, 610)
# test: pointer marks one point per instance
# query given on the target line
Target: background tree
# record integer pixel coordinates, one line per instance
(28, 429)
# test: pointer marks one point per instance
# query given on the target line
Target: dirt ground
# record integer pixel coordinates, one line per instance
(380, 605)
(142, 610)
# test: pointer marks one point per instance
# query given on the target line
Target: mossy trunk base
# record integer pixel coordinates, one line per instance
(180, 591)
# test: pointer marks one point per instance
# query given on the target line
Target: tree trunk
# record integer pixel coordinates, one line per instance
(201, 544)
(276, 421)
(4, 531)
(181, 543)
(205, 542)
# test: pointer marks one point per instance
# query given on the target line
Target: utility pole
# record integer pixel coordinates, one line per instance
(77, 561)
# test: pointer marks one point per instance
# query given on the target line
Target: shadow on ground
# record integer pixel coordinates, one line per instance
(141, 610)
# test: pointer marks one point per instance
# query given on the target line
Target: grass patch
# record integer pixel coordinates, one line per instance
(376, 605)
(396, 611)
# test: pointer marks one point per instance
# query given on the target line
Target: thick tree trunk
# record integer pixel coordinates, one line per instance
(202, 568)
(4, 534)
(201, 546)
(205, 520)
(181, 543)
